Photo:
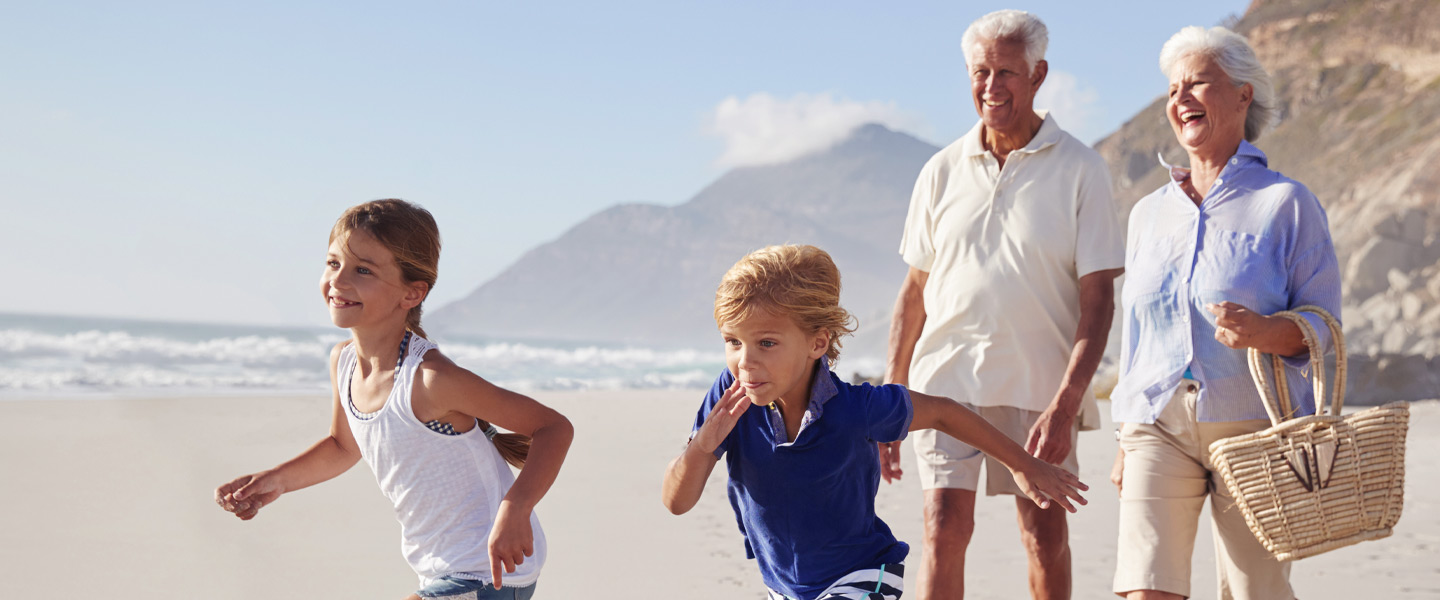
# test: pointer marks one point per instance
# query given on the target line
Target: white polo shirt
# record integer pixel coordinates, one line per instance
(1005, 249)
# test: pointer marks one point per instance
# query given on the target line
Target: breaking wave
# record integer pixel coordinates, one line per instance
(178, 358)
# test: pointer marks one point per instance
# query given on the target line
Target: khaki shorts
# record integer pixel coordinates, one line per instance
(947, 463)
(1167, 477)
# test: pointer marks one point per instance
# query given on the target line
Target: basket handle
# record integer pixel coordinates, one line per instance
(1277, 402)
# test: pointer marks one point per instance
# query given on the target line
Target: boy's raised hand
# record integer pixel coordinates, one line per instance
(1044, 483)
(721, 420)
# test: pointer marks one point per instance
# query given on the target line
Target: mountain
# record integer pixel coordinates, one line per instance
(646, 274)
(1359, 84)
(1360, 88)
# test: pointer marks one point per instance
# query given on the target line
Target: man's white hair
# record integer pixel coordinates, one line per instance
(1011, 26)
(1234, 55)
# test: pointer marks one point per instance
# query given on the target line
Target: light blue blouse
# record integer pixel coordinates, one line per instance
(1258, 239)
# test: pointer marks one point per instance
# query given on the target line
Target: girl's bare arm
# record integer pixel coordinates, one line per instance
(445, 386)
(326, 459)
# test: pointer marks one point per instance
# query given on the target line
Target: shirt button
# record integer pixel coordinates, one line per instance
(1219, 182)
(1190, 388)
(1234, 161)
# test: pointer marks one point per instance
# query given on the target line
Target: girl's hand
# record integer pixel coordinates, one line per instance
(721, 420)
(247, 494)
(511, 540)
(1044, 482)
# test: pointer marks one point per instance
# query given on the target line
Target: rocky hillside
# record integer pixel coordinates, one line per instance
(1360, 87)
(646, 274)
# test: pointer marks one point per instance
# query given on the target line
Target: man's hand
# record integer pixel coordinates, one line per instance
(905, 326)
(890, 461)
(1050, 437)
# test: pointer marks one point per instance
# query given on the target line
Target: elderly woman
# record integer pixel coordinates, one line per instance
(1220, 246)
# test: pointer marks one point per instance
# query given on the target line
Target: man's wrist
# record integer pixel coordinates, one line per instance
(1069, 398)
(896, 376)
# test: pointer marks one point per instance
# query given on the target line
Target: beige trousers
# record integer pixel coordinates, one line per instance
(1167, 477)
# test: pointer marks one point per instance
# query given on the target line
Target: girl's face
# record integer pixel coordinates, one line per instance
(363, 285)
(771, 356)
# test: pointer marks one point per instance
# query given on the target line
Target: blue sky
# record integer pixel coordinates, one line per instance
(185, 160)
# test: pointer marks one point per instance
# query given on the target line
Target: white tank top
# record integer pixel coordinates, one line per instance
(446, 488)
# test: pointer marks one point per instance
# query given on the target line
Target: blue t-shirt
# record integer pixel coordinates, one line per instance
(807, 508)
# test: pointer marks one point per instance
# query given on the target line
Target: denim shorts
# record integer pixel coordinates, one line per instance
(454, 588)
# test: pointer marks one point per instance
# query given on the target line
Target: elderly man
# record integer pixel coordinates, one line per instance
(1013, 243)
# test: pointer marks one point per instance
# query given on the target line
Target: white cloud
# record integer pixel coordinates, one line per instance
(762, 129)
(1076, 106)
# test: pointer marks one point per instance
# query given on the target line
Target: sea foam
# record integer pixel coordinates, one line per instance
(176, 358)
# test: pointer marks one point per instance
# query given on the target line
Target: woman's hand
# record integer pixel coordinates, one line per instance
(1240, 328)
(1044, 482)
(511, 540)
(1117, 472)
(247, 494)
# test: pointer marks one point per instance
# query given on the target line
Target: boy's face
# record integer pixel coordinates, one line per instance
(771, 356)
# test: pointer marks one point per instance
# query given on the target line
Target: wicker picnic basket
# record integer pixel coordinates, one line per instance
(1312, 484)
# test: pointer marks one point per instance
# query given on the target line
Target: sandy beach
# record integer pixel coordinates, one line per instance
(112, 497)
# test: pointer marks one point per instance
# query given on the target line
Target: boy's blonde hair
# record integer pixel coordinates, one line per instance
(799, 282)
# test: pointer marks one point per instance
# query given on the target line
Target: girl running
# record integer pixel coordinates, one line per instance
(422, 423)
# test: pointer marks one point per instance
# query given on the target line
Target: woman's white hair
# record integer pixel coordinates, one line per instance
(1235, 56)
(1009, 25)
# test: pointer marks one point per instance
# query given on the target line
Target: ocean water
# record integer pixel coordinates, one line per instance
(63, 356)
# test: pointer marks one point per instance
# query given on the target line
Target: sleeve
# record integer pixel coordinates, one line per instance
(888, 412)
(1313, 271)
(1099, 241)
(713, 396)
(1128, 331)
(917, 245)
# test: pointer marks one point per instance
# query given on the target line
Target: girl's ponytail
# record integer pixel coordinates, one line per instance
(513, 447)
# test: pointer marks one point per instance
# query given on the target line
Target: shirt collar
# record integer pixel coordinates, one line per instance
(1048, 135)
(822, 389)
(1246, 155)
(822, 386)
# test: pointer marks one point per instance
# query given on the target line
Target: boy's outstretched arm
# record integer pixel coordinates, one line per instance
(685, 477)
(1041, 481)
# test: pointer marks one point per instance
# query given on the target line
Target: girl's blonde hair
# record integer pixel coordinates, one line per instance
(799, 282)
(409, 232)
